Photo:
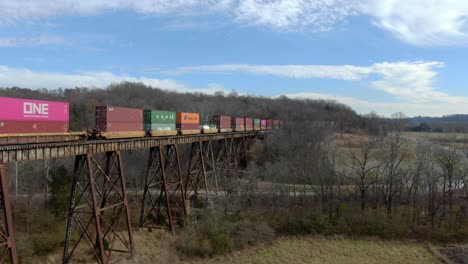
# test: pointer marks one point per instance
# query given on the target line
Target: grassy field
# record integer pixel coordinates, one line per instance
(331, 251)
(157, 247)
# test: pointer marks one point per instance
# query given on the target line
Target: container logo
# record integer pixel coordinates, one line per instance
(35, 109)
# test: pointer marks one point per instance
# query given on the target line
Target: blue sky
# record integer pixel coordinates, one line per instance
(383, 56)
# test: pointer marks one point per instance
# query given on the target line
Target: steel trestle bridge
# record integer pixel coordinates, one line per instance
(99, 213)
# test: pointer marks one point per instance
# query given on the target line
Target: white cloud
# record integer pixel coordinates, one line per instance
(10, 77)
(422, 22)
(31, 41)
(386, 108)
(411, 81)
(345, 72)
(418, 22)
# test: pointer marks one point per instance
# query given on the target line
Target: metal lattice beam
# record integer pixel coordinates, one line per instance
(7, 238)
(163, 203)
(99, 208)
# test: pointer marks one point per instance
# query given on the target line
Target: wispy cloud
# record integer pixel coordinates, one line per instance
(345, 72)
(418, 22)
(21, 77)
(31, 41)
(388, 108)
(411, 81)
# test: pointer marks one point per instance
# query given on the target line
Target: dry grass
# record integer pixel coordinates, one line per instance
(158, 247)
(332, 251)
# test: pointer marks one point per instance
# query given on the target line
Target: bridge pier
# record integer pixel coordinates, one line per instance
(201, 170)
(7, 237)
(163, 202)
(99, 208)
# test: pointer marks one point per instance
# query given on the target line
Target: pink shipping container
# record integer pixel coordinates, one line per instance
(222, 121)
(33, 110)
(112, 119)
(263, 124)
(248, 124)
(33, 127)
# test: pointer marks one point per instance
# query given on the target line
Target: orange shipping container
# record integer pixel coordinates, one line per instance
(187, 118)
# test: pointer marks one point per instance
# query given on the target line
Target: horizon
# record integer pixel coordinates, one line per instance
(381, 57)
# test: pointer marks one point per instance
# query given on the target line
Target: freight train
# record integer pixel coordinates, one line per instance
(25, 121)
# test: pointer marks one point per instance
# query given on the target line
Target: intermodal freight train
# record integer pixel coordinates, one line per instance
(33, 121)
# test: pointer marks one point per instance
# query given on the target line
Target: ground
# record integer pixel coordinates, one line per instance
(157, 248)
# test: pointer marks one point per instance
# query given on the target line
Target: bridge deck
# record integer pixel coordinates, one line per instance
(40, 151)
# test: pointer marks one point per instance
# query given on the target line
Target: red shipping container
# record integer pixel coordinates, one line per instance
(118, 114)
(248, 123)
(188, 126)
(269, 124)
(33, 127)
(118, 126)
(222, 122)
(237, 123)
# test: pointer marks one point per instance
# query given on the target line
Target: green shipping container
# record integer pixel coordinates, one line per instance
(159, 117)
(159, 127)
(256, 121)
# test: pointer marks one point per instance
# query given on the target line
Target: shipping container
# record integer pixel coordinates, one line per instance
(119, 114)
(237, 123)
(31, 127)
(248, 125)
(275, 124)
(188, 118)
(159, 117)
(281, 123)
(119, 126)
(159, 121)
(269, 124)
(159, 127)
(113, 119)
(256, 124)
(188, 123)
(263, 124)
(223, 123)
(19, 109)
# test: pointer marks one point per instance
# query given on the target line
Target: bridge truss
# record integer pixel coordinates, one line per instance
(99, 214)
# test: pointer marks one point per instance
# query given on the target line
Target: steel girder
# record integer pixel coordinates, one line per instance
(99, 208)
(163, 203)
(7, 238)
(202, 171)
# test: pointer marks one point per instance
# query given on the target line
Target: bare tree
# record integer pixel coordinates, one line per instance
(364, 168)
(393, 156)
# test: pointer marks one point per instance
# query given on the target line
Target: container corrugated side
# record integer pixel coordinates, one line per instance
(222, 121)
(118, 114)
(187, 126)
(248, 123)
(16, 127)
(158, 116)
(263, 123)
(119, 126)
(159, 127)
(187, 118)
(269, 123)
(33, 110)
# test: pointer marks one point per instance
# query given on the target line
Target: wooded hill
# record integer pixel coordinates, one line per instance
(83, 100)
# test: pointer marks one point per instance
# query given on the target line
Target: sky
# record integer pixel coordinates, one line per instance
(384, 56)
